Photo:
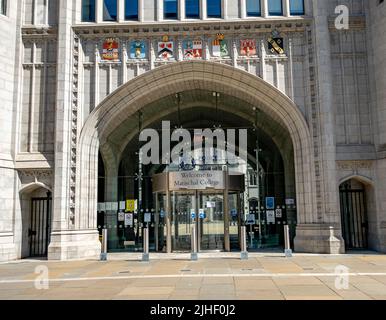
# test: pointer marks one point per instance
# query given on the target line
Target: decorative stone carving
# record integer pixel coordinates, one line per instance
(354, 165)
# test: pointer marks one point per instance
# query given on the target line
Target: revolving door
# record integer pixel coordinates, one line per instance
(212, 201)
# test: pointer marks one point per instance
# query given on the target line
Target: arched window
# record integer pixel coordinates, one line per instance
(297, 7)
(88, 10)
(253, 8)
(131, 9)
(170, 9)
(192, 9)
(275, 7)
(109, 10)
(214, 9)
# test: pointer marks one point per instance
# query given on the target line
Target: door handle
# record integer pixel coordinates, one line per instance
(31, 233)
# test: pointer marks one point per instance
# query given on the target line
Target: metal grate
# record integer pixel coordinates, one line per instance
(40, 226)
(354, 218)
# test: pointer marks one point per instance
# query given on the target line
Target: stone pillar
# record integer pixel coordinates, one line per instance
(121, 11)
(224, 9)
(160, 10)
(99, 11)
(286, 8)
(181, 9)
(243, 9)
(320, 231)
(204, 14)
(8, 133)
(264, 8)
(141, 16)
(73, 236)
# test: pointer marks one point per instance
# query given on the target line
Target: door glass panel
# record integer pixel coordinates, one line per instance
(234, 220)
(211, 224)
(181, 220)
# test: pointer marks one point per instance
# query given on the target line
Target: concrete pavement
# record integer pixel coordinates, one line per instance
(265, 276)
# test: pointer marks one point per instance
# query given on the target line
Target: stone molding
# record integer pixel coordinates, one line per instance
(354, 165)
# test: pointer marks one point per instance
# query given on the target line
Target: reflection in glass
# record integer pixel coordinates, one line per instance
(109, 10)
(275, 7)
(170, 9)
(253, 8)
(131, 9)
(88, 10)
(297, 7)
(192, 9)
(214, 9)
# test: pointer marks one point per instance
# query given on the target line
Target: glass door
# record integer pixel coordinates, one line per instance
(211, 221)
(181, 220)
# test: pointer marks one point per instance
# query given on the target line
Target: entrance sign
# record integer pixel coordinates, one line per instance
(197, 180)
(270, 203)
(202, 214)
(193, 214)
(270, 216)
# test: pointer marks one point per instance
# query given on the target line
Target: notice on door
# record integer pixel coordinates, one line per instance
(129, 219)
(199, 180)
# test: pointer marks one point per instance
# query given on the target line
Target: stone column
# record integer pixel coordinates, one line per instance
(243, 9)
(99, 11)
(224, 9)
(264, 8)
(320, 231)
(73, 237)
(121, 10)
(141, 16)
(160, 10)
(204, 10)
(286, 8)
(181, 9)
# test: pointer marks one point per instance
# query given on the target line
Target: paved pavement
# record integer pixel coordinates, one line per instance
(265, 276)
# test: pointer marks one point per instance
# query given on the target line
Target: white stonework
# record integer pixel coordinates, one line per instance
(323, 103)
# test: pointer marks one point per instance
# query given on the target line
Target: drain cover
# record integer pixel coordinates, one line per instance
(125, 271)
(186, 270)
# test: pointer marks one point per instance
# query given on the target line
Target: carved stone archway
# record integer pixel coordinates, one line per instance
(201, 75)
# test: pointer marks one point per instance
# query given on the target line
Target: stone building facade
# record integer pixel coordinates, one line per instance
(75, 75)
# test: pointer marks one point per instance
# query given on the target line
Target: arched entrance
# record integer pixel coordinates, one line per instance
(36, 210)
(111, 127)
(354, 214)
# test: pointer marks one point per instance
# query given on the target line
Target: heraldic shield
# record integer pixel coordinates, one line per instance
(276, 43)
